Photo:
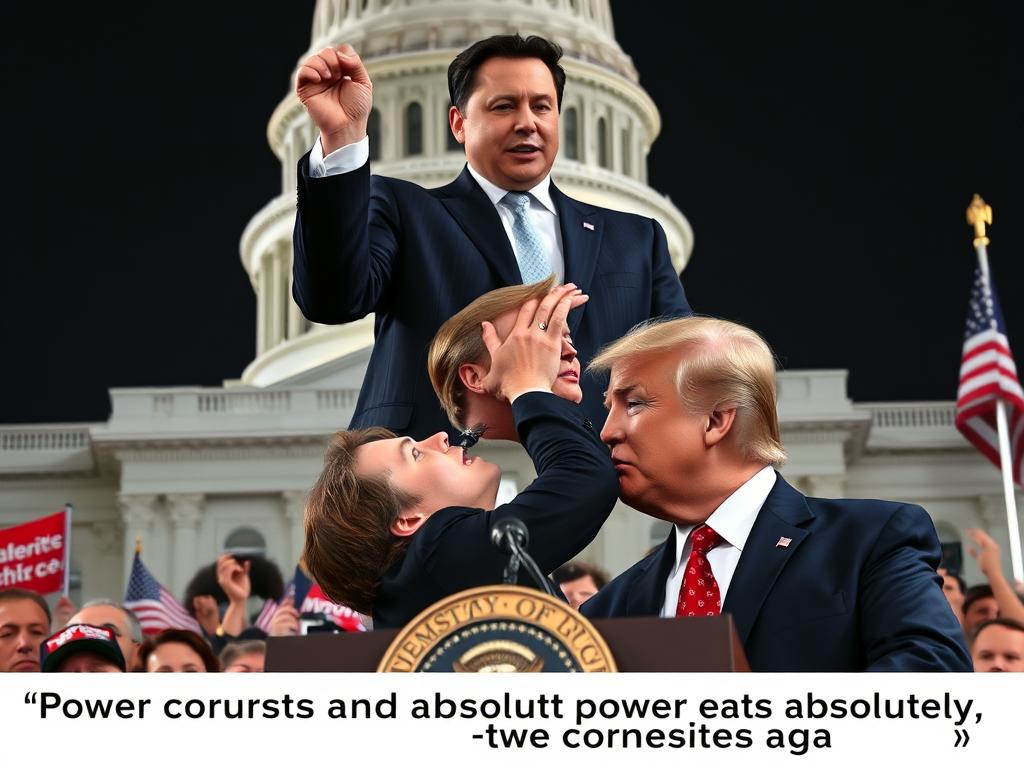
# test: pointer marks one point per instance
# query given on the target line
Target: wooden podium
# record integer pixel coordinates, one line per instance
(638, 645)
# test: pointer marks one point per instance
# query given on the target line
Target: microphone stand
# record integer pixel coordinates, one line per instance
(518, 557)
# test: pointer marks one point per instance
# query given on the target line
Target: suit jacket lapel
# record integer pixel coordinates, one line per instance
(476, 214)
(763, 559)
(580, 244)
(647, 593)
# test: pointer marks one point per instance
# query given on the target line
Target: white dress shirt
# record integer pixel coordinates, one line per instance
(732, 521)
(543, 213)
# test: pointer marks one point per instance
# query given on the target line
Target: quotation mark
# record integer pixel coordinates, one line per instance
(967, 737)
(31, 698)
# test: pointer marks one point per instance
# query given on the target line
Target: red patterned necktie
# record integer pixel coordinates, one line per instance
(698, 594)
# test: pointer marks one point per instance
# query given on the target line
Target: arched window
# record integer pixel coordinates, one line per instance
(627, 153)
(602, 142)
(571, 149)
(245, 541)
(373, 132)
(413, 129)
(451, 144)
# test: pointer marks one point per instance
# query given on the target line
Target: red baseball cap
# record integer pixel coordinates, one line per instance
(77, 638)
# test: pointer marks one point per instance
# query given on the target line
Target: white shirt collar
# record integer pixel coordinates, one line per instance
(541, 193)
(736, 515)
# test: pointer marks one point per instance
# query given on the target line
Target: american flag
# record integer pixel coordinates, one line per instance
(988, 374)
(155, 607)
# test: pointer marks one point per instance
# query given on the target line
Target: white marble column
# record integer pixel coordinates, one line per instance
(262, 303)
(294, 512)
(138, 513)
(295, 324)
(185, 511)
(277, 309)
(99, 567)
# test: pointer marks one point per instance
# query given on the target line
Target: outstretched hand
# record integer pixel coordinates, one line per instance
(334, 87)
(529, 357)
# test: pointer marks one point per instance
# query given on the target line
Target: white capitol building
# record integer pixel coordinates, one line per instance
(192, 471)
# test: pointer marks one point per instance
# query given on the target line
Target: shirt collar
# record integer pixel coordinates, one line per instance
(736, 515)
(541, 193)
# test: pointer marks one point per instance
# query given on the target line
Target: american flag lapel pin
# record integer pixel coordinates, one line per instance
(588, 225)
(783, 542)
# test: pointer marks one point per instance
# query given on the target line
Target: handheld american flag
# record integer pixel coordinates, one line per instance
(155, 607)
(307, 598)
(988, 374)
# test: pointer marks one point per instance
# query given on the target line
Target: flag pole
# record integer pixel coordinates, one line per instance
(68, 509)
(978, 215)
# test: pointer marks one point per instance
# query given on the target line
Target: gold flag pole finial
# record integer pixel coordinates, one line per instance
(138, 545)
(979, 213)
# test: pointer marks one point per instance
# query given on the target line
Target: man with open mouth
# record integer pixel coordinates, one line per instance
(394, 524)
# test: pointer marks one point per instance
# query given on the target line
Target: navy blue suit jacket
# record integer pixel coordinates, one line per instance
(856, 589)
(563, 509)
(415, 257)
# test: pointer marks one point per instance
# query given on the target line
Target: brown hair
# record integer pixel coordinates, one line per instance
(999, 622)
(17, 593)
(349, 544)
(459, 341)
(185, 637)
(577, 569)
(721, 364)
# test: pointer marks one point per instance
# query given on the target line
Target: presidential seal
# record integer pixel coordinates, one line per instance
(498, 629)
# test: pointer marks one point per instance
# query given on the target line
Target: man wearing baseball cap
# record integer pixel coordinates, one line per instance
(82, 648)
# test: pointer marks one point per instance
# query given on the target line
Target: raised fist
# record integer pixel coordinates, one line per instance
(335, 89)
(233, 578)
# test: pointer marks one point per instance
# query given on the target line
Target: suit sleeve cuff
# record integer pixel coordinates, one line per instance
(342, 160)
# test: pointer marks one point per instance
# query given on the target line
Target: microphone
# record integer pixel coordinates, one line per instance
(509, 531)
(511, 536)
(471, 436)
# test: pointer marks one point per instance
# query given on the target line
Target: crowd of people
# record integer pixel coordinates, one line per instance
(105, 636)
(527, 315)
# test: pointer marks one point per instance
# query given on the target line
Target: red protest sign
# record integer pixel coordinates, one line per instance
(32, 555)
(316, 602)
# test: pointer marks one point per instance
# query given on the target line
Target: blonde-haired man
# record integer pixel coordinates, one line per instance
(812, 584)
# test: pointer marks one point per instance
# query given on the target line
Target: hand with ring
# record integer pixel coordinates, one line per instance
(527, 360)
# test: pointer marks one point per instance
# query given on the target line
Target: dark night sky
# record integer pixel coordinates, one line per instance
(824, 158)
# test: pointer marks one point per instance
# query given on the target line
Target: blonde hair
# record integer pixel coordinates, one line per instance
(459, 341)
(721, 365)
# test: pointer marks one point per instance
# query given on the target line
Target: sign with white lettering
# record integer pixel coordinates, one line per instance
(33, 554)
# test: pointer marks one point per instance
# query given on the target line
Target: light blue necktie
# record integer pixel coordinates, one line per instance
(534, 264)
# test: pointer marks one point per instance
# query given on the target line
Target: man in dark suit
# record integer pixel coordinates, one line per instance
(415, 257)
(812, 584)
